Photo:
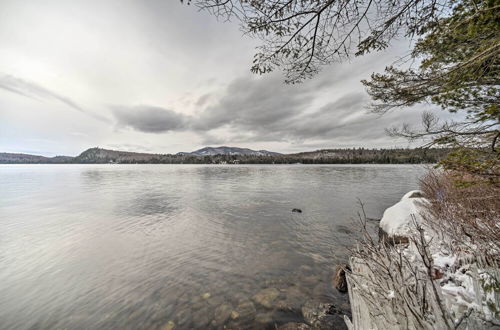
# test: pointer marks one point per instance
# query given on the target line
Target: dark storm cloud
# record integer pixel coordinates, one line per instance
(35, 91)
(150, 119)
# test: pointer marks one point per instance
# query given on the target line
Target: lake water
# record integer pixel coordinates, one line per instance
(137, 246)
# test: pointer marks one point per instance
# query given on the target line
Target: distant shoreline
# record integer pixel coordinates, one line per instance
(231, 155)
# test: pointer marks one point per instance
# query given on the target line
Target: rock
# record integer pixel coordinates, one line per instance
(294, 298)
(239, 297)
(414, 194)
(266, 297)
(437, 274)
(339, 280)
(398, 221)
(264, 318)
(201, 318)
(222, 314)
(343, 229)
(297, 210)
(235, 315)
(183, 317)
(169, 326)
(320, 291)
(206, 295)
(392, 239)
(311, 279)
(183, 298)
(246, 310)
(323, 316)
(294, 326)
(215, 301)
(306, 269)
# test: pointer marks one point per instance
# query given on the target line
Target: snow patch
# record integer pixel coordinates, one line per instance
(398, 218)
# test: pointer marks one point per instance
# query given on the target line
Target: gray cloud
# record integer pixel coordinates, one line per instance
(37, 92)
(250, 103)
(266, 110)
(150, 119)
(202, 100)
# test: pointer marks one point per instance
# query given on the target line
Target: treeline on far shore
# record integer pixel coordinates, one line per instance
(326, 156)
(330, 156)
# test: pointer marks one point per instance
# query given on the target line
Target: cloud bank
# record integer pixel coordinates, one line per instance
(264, 109)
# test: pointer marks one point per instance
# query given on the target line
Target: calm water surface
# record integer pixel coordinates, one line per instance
(137, 246)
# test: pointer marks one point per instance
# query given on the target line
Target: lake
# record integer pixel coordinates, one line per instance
(137, 246)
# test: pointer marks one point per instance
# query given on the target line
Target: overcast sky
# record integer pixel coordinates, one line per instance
(158, 76)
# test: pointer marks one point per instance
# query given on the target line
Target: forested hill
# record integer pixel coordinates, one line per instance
(326, 156)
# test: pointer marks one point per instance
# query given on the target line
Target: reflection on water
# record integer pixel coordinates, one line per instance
(137, 246)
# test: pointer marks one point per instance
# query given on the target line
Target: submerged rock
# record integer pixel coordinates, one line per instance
(311, 279)
(339, 280)
(294, 326)
(215, 301)
(323, 315)
(183, 317)
(201, 318)
(320, 291)
(266, 297)
(222, 314)
(239, 297)
(246, 310)
(169, 326)
(305, 269)
(297, 210)
(294, 298)
(264, 318)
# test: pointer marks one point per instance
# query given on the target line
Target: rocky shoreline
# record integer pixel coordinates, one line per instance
(261, 311)
(280, 305)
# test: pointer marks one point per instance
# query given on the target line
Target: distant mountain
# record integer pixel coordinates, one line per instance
(99, 155)
(210, 151)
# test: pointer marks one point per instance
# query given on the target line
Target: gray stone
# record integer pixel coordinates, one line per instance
(201, 318)
(169, 326)
(294, 298)
(392, 239)
(323, 316)
(339, 280)
(183, 317)
(294, 326)
(266, 297)
(264, 318)
(246, 310)
(222, 314)
(311, 279)
(215, 301)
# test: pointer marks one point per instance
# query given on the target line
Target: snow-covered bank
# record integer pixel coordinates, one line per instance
(419, 283)
(398, 220)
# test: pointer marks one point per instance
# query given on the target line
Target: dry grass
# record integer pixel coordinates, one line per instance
(469, 216)
(400, 286)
